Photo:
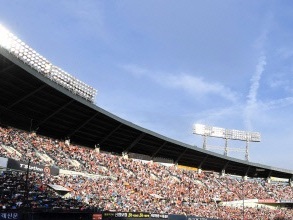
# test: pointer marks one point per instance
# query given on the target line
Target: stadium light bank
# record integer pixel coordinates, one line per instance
(227, 134)
(37, 62)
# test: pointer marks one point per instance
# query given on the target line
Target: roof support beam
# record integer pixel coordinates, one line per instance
(109, 134)
(6, 68)
(225, 167)
(82, 125)
(269, 174)
(54, 113)
(202, 162)
(180, 156)
(246, 173)
(134, 143)
(158, 150)
(26, 96)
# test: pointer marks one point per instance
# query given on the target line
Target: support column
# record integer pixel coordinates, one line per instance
(204, 142)
(226, 147)
(247, 151)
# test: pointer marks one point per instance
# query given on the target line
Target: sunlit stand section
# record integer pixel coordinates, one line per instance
(37, 62)
(227, 134)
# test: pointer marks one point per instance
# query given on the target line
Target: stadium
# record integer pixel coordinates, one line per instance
(63, 157)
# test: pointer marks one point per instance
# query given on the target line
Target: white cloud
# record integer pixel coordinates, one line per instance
(285, 52)
(198, 86)
(278, 83)
(136, 70)
(282, 81)
(278, 103)
(88, 15)
(219, 116)
(190, 83)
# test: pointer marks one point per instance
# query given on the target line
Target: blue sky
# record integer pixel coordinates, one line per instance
(165, 65)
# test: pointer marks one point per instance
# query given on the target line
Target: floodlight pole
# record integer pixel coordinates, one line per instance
(189, 187)
(226, 147)
(243, 206)
(247, 151)
(26, 182)
(204, 146)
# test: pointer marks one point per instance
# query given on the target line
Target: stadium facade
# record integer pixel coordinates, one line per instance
(33, 100)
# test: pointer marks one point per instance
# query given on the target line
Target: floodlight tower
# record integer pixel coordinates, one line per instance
(227, 134)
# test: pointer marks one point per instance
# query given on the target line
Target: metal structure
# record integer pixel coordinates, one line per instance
(30, 57)
(32, 102)
(227, 134)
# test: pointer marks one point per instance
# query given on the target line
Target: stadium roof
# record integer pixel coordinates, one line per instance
(31, 101)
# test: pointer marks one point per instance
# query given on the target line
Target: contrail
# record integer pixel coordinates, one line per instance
(251, 103)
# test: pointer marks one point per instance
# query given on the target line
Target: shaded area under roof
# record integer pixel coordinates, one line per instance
(32, 102)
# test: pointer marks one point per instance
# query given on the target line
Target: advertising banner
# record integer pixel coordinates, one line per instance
(191, 217)
(154, 216)
(20, 165)
(126, 215)
(266, 201)
(286, 201)
(3, 162)
(177, 217)
(10, 215)
(97, 217)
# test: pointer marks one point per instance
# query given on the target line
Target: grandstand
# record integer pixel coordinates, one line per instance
(110, 164)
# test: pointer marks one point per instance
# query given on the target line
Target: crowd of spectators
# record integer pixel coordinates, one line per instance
(122, 184)
(16, 192)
